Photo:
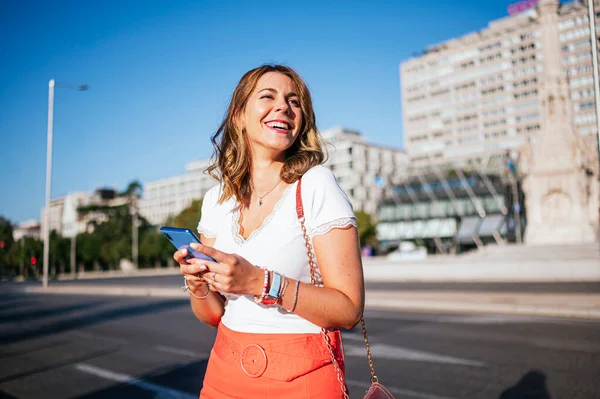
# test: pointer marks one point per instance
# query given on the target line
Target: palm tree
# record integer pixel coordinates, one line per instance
(134, 188)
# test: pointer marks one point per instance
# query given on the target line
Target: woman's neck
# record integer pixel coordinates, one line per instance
(265, 174)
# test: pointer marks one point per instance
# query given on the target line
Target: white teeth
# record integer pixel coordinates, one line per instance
(279, 125)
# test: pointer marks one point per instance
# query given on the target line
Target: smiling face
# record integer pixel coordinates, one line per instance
(272, 117)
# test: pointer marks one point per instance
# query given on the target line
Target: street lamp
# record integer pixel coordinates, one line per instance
(51, 85)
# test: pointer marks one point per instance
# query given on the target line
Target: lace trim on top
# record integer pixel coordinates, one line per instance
(208, 233)
(340, 223)
(325, 228)
(235, 220)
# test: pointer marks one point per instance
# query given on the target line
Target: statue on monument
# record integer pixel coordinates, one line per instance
(562, 205)
(560, 174)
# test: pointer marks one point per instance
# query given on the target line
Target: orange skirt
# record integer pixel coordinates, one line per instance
(291, 366)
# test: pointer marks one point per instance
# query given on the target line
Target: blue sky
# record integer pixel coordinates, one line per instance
(161, 72)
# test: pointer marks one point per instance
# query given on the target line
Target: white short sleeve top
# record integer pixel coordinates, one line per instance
(278, 245)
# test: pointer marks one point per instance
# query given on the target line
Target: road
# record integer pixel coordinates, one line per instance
(69, 346)
(175, 281)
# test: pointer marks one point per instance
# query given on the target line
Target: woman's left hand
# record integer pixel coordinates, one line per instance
(231, 273)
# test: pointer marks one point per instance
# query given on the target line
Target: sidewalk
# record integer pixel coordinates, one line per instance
(538, 304)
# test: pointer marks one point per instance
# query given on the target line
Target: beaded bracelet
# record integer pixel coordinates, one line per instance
(265, 290)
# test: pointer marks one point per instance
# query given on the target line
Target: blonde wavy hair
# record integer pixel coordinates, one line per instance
(231, 163)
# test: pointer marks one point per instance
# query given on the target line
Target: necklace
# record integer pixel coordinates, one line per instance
(260, 197)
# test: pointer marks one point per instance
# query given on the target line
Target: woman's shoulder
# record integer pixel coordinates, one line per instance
(211, 198)
(213, 193)
(326, 204)
(319, 174)
(319, 181)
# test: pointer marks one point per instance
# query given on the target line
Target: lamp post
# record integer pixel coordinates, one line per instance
(51, 85)
(134, 230)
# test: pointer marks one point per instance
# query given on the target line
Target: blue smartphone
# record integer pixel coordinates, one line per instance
(181, 238)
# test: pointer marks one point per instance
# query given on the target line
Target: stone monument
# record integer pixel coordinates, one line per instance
(560, 179)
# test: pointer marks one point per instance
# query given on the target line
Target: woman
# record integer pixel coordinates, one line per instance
(258, 293)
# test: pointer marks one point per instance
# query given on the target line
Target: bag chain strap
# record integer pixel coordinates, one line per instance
(369, 356)
(313, 280)
(363, 326)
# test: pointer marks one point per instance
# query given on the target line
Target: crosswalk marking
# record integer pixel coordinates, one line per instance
(179, 351)
(397, 352)
(160, 391)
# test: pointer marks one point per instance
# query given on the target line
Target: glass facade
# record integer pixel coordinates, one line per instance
(449, 210)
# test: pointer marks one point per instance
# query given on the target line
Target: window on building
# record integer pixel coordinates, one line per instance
(439, 92)
(586, 105)
(532, 128)
(528, 35)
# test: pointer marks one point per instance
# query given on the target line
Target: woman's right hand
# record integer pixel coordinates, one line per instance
(192, 272)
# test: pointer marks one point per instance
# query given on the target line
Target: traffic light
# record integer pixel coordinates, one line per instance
(33, 260)
(2, 244)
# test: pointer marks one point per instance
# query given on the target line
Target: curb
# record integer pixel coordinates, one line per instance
(469, 307)
(373, 302)
(120, 274)
(108, 291)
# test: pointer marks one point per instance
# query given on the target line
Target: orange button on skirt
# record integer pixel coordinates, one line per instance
(272, 366)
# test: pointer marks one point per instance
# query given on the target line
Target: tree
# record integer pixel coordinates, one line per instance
(23, 251)
(60, 248)
(190, 216)
(88, 249)
(367, 229)
(155, 249)
(6, 242)
(112, 228)
(134, 188)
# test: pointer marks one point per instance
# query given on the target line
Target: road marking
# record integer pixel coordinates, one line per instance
(400, 391)
(490, 319)
(178, 351)
(98, 337)
(396, 352)
(160, 391)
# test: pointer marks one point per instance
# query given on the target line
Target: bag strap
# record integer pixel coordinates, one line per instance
(313, 279)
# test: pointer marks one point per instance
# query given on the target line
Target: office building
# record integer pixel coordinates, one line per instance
(65, 218)
(449, 211)
(363, 169)
(478, 95)
(166, 198)
(28, 228)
